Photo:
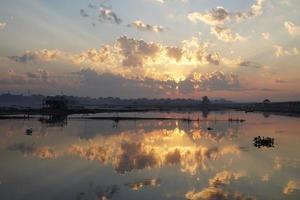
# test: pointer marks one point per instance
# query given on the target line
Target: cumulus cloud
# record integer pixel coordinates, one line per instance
(134, 58)
(130, 64)
(43, 152)
(34, 77)
(265, 178)
(94, 152)
(281, 51)
(225, 34)
(292, 29)
(265, 35)
(291, 186)
(173, 158)
(213, 193)
(108, 15)
(220, 15)
(256, 8)
(280, 81)
(144, 183)
(224, 178)
(146, 27)
(216, 80)
(133, 156)
(175, 53)
(83, 13)
(127, 152)
(40, 55)
(163, 1)
(2, 25)
(40, 74)
(136, 51)
(215, 16)
(105, 193)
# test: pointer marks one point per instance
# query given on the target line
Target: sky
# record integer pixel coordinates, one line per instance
(245, 50)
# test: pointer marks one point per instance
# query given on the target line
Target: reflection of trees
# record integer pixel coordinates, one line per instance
(43, 152)
(221, 129)
(205, 113)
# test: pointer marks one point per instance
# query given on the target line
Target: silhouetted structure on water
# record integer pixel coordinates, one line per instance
(263, 142)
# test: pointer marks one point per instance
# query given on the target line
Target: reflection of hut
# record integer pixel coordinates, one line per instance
(55, 120)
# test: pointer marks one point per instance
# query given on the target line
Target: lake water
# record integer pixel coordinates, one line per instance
(92, 159)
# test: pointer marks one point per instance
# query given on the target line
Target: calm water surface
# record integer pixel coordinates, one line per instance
(92, 159)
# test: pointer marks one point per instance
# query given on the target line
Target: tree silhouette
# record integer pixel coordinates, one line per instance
(205, 100)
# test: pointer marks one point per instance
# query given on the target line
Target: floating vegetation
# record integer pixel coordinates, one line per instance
(263, 142)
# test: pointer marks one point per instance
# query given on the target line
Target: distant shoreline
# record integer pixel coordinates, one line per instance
(283, 108)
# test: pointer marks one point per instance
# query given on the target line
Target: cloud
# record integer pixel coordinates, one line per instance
(40, 55)
(163, 1)
(173, 158)
(2, 25)
(88, 82)
(265, 35)
(225, 34)
(108, 15)
(136, 51)
(133, 156)
(34, 77)
(291, 186)
(213, 193)
(137, 59)
(174, 52)
(243, 63)
(83, 13)
(281, 51)
(292, 29)
(105, 193)
(94, 152)
(209, 193)
(255, 11)
(217, 80)
(43, 152)
(265, 178)
(224, 178)
(144, 183)
(151, 149)
(256, 8)
(215, 16)
(220, 15)
(146, 27)
(280, 81)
